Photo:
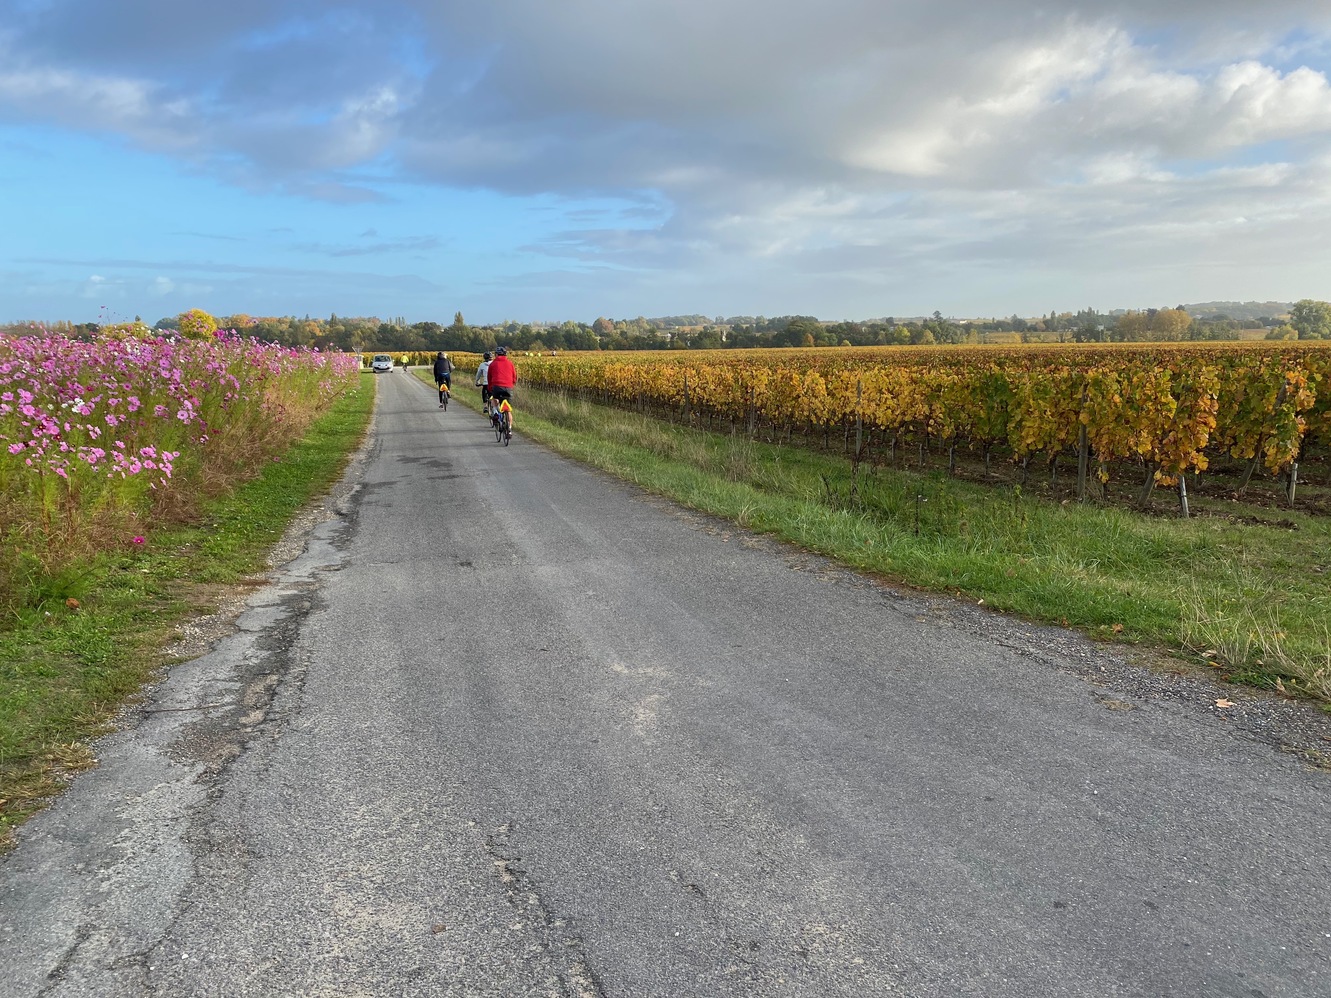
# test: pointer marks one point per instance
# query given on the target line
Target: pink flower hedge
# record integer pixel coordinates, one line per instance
(108, 421)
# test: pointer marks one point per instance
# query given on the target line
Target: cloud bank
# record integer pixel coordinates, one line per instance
(852, 145)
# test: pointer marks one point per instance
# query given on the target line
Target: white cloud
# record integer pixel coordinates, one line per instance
(1254, 103)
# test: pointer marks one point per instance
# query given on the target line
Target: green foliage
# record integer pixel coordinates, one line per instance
(196, 324)
(1312, 319)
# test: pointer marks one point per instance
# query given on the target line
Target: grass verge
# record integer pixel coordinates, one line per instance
(1250, 599)
(73, 659)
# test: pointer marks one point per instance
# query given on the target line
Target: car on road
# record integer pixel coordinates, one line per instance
(381, 362)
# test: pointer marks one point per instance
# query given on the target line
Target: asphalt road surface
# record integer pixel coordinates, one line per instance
(510, 727)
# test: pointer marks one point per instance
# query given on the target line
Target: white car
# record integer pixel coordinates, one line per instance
(381, 362)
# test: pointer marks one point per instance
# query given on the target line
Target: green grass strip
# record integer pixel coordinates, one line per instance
(65, 671)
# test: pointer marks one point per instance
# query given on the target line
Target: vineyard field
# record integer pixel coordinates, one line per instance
(1146, 414)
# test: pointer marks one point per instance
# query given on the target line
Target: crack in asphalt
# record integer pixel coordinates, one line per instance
(578, 979)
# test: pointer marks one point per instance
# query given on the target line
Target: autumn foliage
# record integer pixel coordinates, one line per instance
(1170, 409)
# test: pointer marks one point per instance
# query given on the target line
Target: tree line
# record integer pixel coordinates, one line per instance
(1308, 319)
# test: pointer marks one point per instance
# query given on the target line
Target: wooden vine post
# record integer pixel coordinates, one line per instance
(1083, 452)
(859, 417)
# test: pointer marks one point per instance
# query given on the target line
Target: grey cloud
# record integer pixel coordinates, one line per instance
(252, 90)
(600, 96)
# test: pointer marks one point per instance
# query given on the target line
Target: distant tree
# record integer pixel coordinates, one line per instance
(1132, 327)
(1312, 319)
(802, 332)
(708, 339)
(1170, 324)
(196, 324)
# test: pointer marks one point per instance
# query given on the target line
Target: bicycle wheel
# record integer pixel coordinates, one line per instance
(499, 430)
(508, 427)
(445, 402)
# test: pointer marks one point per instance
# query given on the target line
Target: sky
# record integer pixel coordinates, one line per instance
(537, 161)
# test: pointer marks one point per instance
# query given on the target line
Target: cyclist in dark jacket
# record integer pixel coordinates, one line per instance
(443, 375)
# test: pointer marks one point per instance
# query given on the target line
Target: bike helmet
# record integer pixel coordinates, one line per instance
(501, 352)
(487, 355)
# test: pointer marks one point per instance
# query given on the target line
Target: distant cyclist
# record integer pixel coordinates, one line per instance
(443, 376)
(502, 377)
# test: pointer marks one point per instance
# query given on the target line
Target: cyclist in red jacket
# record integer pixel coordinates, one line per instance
(502, 377)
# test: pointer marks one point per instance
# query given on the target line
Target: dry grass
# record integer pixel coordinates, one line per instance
(1254, 641)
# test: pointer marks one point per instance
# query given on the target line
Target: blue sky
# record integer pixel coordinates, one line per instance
(535, 161)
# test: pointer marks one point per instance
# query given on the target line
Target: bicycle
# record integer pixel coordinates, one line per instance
(501, 418)
(444, 395)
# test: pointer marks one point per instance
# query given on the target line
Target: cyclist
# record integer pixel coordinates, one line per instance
(481, 370)
(443, 376)
(405, 361)
(502, 377)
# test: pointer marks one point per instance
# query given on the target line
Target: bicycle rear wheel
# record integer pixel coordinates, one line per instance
(508, 427)
(499, 429)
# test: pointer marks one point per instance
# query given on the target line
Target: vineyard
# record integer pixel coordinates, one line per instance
(1151, 414)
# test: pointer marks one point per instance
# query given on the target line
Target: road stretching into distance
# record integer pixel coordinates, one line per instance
(510, 727)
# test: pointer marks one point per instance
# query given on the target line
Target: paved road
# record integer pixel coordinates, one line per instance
(508, 727)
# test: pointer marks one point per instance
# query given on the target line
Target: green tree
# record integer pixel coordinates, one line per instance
(1312, 319)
